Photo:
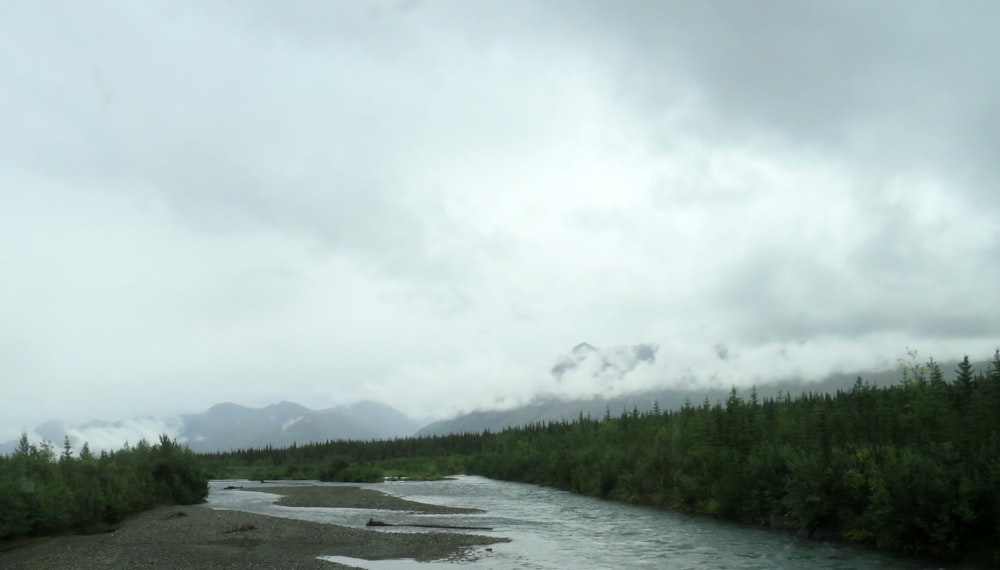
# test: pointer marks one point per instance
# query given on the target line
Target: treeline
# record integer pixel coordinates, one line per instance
(351, 461)
(44, 494)
(913, 467)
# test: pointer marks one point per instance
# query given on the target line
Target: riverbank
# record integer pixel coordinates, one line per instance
(201, 537)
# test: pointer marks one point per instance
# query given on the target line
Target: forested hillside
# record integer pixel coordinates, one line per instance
(667, 398)
(913, 467)
(43, 494)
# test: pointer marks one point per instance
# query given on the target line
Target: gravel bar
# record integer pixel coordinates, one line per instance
(200, 537)
(353, 498)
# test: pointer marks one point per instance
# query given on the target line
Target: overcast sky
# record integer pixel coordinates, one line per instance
(429, 203)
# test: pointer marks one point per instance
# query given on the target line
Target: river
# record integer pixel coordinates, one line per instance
(552, 529)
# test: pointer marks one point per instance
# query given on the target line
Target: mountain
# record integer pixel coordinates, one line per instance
(8, 447)
(553, 409)
(231, 426)
(608, 363)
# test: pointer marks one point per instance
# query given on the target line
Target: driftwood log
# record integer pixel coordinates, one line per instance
(373, 522)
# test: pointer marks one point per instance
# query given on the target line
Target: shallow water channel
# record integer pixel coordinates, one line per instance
(552, 529)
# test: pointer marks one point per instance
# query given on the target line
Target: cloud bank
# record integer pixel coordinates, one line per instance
(426, 203)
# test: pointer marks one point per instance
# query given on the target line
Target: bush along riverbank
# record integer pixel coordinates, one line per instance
(911, 467)
(43, 494)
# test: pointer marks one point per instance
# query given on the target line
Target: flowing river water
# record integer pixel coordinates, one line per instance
(552, 529)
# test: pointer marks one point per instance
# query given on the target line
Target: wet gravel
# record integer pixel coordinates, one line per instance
(200, 537)
(354, 498)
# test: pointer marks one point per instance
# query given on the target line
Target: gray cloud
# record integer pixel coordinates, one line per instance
(426, 202)
(722, 351)
(818, 72)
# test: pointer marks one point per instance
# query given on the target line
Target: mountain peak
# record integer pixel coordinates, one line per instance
(287, 407)
(611, 363)
(226, 407)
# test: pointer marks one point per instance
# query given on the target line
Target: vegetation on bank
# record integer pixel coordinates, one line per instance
(44, 494)
(342, 461)
(913, 467)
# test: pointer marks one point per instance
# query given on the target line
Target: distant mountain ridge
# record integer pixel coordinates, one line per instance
(554, 409)
(231, 426)
(227, 425)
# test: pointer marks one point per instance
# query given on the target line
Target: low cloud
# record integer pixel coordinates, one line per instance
(111, 436)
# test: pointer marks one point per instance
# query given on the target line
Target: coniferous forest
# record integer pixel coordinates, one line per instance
(912, 467)
(44, 494)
